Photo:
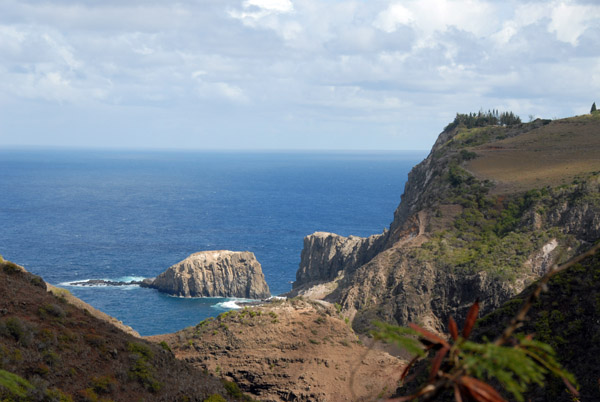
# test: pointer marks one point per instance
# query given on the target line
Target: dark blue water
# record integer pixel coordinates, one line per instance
(77, 215)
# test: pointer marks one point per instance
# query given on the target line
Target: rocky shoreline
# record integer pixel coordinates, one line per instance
(217, 273)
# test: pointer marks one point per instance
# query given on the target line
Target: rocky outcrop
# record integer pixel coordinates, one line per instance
(292, 350)
(395, 288)
(219, 273)
(458, 235)
(326, 254)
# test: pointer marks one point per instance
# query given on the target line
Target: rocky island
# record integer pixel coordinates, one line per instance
(220, 273)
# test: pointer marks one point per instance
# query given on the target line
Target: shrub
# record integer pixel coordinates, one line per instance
(10, 268)
(11, 385)
(104, 384)
(56, 395)
(233, 389)
(52, 310)
(215, 398)
(165, 346)
(142, 369)
(17, 329)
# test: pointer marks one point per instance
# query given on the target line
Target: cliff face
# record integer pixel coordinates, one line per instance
(325, 255)
(291, 350)
(465, 229)
(215, 274)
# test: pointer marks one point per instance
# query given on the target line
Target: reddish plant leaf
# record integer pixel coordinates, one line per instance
(453, 328)
(457, 395)
(437, 362)
(471, 317)
(408, 366)
(480, 390)
(428, 335)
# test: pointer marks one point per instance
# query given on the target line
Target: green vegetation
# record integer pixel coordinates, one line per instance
(514, 367)
(165, 346)
(593, 109)
(10, 268)
(498, 234)
(483, 119)
(13, 386)
(215, 398)
(52, 310)
(142, 369)
(234, 390)
(17, 329)
(489, 234)
(104, 384)
(462, 366)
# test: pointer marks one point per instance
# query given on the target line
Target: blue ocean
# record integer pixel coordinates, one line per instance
(74, 215)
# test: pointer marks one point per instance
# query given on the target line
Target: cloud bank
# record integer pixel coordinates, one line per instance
(293, 74)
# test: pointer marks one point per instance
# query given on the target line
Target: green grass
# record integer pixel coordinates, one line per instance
(142, 369)
(12, 385)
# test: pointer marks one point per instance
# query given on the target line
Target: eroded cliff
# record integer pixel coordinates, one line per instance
(464, 231)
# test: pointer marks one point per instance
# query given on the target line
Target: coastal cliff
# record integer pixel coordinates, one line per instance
(484, 215)
(220, 273)
(326, 255)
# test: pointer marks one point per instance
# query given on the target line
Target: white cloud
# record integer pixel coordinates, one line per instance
(570, 20)
(63, 50)
(281, 6)
(429, 16)
(394, 16)
(217, 63)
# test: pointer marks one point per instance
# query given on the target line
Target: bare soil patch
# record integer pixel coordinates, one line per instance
(290, 351)
(551, 155)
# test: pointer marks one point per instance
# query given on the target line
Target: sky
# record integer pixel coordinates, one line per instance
(285, 74)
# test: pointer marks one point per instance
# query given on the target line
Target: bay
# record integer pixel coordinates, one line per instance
(72, 215)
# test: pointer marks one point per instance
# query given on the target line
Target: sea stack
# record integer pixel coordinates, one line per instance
(220, 273)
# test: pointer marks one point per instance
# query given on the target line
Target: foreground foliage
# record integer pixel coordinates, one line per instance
(468, 369)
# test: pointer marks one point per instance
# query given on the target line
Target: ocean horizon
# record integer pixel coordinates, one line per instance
(74, 215)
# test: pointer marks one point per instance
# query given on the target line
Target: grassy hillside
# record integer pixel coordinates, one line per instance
(51, 350)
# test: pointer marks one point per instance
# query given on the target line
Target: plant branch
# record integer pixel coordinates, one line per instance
(533, 296)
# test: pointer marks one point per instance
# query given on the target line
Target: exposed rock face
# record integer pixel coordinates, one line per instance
(326, 254)
(288, 351)
(219, 273)
(428, 265)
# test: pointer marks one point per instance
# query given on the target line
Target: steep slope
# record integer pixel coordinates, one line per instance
(290, 350)
(465, 230)
(61, 352)
(567, 316)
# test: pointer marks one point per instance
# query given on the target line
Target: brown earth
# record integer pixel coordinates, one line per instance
(551, 155)
(67, 354)
(292, 350)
